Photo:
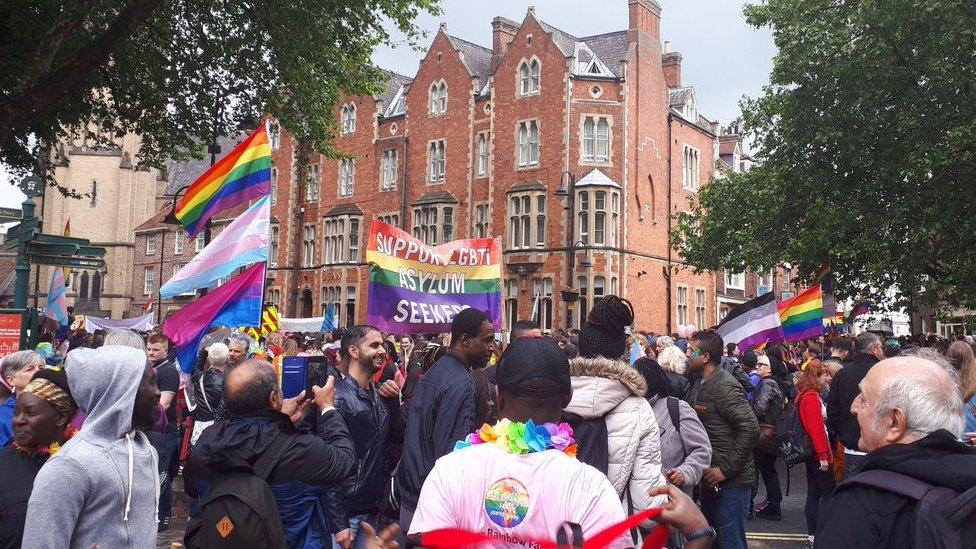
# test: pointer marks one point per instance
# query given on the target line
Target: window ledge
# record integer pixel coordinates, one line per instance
(596, 163)
(528, 168)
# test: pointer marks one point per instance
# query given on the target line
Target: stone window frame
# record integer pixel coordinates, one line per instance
(151, 244)
(391, 218)
(587, 215)
(149, 280)
(423, 229)
(481, 226)
(533, 220)
(595, 160)
(274, 134)
(526, 63)
(309, 236)
(179, 241)
(348, 119)
(313, 180)
(274, 185)
(389, 167)
(483, 154)
(701, 310)
(735, 281)
(681, 311)
(528, 123)
(544, 289)
(337, 239)
(437, 96)
(436, 174)
(274, 297)
(690, 168)
(347, 178)
(274, 244)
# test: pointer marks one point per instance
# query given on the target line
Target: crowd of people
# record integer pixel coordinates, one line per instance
(421, 439)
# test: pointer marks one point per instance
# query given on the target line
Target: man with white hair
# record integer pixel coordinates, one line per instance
(910, 417)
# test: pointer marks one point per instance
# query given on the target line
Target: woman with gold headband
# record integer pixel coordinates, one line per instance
(44, 408)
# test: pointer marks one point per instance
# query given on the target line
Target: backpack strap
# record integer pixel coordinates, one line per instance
(266, 463)
(675, 412)
(563, 537)
(963, 506)
(891, 481)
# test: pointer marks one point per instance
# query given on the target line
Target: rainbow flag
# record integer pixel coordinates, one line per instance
(802, 316)
(243, 174)
(418, 289)
(237, 303)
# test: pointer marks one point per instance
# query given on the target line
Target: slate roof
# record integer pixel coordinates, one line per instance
(344, 209)
(727, 143)
(183, 173)
(438, 197)
(393, 85)
(564, 41)
(679, 96)
(610, 47)
(527, 187)
(477, 58)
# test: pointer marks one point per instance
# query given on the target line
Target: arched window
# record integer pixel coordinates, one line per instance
(348, 118)
(529, 74)
(83, 291)
(438, 97)
(96, 286)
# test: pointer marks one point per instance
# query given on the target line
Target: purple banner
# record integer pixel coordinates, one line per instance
(402, 311)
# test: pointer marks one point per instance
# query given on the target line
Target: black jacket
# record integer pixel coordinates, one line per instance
(371, 422)
(208, 391)
(870, 518)
(768, 403)
(676, 385)
(298, 480)
(17, 473)
(843, 390)
(441, 413)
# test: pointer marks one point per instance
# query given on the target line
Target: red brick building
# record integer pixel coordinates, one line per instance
(478, 143)
(489, 142)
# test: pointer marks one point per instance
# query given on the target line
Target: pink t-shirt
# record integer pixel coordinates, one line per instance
(485, 489)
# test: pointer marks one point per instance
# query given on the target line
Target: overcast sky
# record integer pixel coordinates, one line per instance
(723, 57)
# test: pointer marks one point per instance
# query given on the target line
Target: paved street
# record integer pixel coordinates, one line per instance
(790, 532)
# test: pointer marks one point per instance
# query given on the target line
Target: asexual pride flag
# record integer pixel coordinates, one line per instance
(752, 323)
(418, 289)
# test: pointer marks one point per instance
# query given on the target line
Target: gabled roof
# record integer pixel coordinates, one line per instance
(391, 90)
(679, 97)
(727, 144)
(597, 178)
(476, 58)
(610, 47)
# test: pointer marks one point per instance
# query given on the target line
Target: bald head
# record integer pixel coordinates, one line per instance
(251, 387)
(904, 399)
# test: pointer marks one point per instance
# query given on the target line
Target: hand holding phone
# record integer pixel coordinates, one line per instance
(325, 396)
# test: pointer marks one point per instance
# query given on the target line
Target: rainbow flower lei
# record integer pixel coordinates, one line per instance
(523, 438)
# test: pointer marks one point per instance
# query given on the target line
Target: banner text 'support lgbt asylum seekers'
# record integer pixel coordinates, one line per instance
(418, 289)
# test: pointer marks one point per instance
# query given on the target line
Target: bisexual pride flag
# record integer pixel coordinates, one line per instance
(418, 289)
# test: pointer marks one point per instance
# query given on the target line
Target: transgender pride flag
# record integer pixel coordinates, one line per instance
(243, 242)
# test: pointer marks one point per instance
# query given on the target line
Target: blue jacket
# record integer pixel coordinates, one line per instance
(441, 413)
(298, 480)
(7, 421)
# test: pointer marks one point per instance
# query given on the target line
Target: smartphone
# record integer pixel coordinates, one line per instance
(301, 373)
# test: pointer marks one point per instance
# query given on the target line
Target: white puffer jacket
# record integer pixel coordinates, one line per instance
(614, 391)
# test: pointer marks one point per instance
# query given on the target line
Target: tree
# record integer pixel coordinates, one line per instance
(866, 149)
(177, 72)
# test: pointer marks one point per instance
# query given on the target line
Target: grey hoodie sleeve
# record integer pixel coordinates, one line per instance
(55, 504)
(696, 443)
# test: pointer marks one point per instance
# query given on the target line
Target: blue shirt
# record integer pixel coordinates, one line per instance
(7, 421)
(970, 414)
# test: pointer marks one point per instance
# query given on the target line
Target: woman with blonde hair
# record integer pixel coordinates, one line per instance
(960, 355)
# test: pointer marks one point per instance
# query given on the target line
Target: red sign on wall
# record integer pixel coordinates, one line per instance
(10, 324)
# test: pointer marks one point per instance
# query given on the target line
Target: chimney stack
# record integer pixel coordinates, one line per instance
(671, 61)
(503, 31)
(645, 15)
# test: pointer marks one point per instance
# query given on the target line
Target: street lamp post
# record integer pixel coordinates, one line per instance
(567, 191)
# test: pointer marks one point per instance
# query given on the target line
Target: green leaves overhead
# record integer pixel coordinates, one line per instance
(177, 71)
(865, 140)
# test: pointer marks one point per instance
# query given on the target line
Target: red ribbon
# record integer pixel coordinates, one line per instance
(451, 538)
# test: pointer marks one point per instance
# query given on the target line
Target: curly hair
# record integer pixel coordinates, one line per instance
(605, 331)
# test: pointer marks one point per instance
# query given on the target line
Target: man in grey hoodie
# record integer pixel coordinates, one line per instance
(102, 488)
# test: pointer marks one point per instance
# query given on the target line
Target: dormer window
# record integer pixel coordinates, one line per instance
(348, 118)
(438, 98)
(529, 76)
(690, 110)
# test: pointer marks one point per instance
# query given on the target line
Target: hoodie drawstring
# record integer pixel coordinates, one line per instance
(128, 495)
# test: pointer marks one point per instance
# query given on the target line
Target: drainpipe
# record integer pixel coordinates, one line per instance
(403, 191)
(667, 274)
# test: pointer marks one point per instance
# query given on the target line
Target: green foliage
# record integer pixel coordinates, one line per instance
(866, 143)
(176, 72)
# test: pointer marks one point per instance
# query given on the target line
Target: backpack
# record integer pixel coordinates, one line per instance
(240, 510)
(944, 518)
(593, 447)
(792, 441)
(675, 412)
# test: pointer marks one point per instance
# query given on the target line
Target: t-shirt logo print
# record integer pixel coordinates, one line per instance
(507, 502)
(225, 526)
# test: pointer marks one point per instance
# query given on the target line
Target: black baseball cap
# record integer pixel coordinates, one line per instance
(533, 358)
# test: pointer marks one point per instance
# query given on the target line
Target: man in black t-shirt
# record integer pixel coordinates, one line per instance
(165, 439)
